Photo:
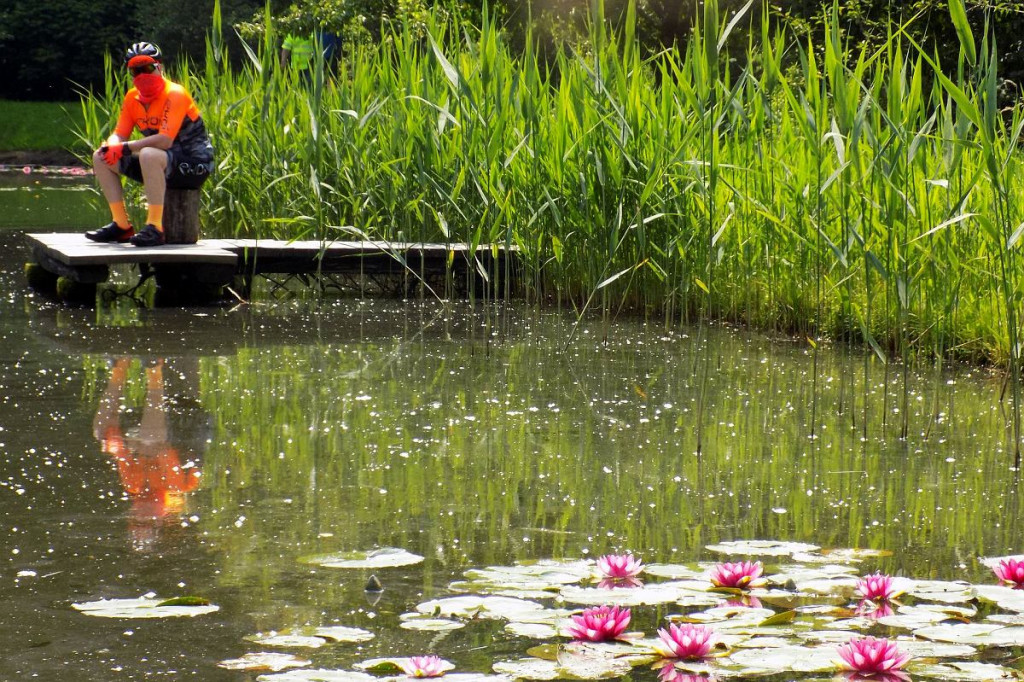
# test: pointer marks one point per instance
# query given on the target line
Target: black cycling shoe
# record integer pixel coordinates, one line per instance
(149, 236)
(111, 233)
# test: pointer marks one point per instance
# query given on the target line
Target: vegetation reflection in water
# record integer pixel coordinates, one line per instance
(472, 451)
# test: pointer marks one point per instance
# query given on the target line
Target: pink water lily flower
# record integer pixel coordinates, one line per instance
(599, 624)
(876, 587)
(741, 574)
(619, 566)
(1011, 571)
(872, 656)
(425, 666)
(686, 641)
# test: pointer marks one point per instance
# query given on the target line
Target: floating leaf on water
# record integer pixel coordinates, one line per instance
(591, 663)
(1005, 597)
(918, 616)
(340, 633)
(801, 573)
(479, 607)
(184, 601)
(919, 649)
(949, 592)
(539, 576)
(532, 630)
(761, 547)
(418, 621)
(981, 634)
(634, 653)
(319, 675)
(381, 665)
(828, 586)
(627, 596)
(143, 607)
(286, 641)
(398, 664)
(779, 618)
(385, 557)
(994, 561)
(728, 616)
(472, 677)
(762, 643)
(957, 671)
(851, 554)
(539, 591)
(775, 660)
(530, 669)
(547, 652)
(264, 661)
(674, 571)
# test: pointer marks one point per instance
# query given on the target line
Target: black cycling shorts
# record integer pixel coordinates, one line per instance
(182, 173)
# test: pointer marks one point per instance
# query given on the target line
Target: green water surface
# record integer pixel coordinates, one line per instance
(469, 435)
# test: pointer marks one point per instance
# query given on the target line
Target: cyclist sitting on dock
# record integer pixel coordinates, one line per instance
(174, 150)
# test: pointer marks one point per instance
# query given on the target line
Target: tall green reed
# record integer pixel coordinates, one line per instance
(836, 193)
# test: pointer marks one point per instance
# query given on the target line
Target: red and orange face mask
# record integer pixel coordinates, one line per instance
(146, 77)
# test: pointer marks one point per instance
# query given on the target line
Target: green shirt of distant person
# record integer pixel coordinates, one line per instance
(297, 52)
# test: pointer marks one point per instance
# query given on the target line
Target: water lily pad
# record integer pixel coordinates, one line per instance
(532, 630)
(852, 554)
(545, 574)
(921, 615)
(763, 643)
(479, 607)
(530, 669)
(731, 616)
(761, 547)
(994, 561)
(319, 675)
(919, 649)
(965, 671)
(949, 592)
(674, 571)
(340, 633)
(385, 557)
(286, 640)
(539, 592)
(397, 664)
(143, 607)
(1005, 597)
(426, 623)
(981, 634)
(776, 660)
(264, 661)
(589, 662)
(660, 593)
(800, 573)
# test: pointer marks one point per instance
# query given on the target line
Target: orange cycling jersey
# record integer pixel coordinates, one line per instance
(172, 113)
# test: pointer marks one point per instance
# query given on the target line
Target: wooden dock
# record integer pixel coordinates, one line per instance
(368, 266)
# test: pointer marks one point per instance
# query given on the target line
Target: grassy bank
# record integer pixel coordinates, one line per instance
(816, 189)
(39, 126)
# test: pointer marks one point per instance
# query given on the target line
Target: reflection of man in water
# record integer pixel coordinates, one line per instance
(150, 468)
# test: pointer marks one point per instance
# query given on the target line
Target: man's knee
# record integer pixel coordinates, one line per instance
(97, 159)
(153, 156)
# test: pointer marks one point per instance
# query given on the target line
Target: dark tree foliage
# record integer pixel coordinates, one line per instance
(49, 50)
(47, 47)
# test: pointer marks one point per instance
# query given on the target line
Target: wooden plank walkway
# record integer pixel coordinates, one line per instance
(220, 260)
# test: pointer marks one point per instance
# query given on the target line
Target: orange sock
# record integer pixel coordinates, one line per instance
(155, 217)
(119, 215)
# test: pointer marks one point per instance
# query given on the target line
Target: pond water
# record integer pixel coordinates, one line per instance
(212, 452)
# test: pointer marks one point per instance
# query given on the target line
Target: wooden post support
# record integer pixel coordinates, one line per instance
(181, 215)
